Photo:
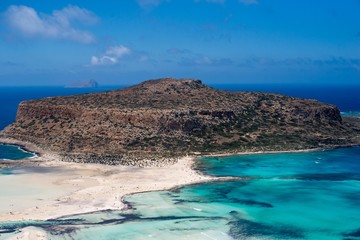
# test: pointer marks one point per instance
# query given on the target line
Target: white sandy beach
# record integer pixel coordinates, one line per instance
(55, 188)
(30, 233)
(47, 188)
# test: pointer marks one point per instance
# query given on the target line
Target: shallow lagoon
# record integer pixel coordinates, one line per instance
(12, 152)
(313, 195)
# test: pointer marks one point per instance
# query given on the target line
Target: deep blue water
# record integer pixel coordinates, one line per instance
(10, 97)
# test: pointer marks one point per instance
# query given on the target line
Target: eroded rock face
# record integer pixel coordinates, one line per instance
(169, 117)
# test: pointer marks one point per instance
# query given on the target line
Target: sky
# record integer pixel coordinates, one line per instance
(124, 42)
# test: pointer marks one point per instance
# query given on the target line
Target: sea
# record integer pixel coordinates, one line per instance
(307, 195)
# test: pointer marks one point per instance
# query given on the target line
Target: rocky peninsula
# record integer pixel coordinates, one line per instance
(157, 121)
(152, 124)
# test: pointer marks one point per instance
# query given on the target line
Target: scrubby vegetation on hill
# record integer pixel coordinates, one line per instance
(169, 117)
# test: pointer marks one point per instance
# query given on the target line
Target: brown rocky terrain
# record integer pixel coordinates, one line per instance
(164, 118)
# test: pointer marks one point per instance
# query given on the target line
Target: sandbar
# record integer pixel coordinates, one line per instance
(45, 188)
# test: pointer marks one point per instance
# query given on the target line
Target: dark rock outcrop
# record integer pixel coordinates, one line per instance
(170, 118)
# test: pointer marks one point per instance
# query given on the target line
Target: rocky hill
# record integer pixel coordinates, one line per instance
(166, 118)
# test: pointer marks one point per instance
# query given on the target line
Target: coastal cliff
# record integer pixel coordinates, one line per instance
(166, 118)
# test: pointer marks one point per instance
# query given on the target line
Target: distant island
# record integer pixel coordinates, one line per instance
(160, 120)
(83, 84)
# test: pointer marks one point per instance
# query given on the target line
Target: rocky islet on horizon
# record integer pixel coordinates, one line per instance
(156, 121)
(83, 84)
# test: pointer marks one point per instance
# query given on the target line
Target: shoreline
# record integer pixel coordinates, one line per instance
(24, 146)
(78, 188)
(100, 194)
(325, 148)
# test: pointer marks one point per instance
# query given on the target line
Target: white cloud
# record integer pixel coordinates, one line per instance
(248, 2)
(112, 56)
(103, 60)
(117, 51)
(58, 25)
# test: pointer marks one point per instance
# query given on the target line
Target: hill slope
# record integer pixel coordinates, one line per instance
(169, 117)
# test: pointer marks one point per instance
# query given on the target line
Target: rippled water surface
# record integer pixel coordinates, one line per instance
(313, 195)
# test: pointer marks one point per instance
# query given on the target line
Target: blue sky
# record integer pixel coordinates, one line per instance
(219, 41)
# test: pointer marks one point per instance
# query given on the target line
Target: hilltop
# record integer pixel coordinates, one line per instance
(168, 118)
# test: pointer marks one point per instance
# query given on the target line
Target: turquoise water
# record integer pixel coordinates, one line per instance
(336, 164)
(12, 152)
(314, 195)
(351, 114)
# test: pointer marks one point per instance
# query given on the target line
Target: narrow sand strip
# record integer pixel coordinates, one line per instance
(46, 188)
(30, 233)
